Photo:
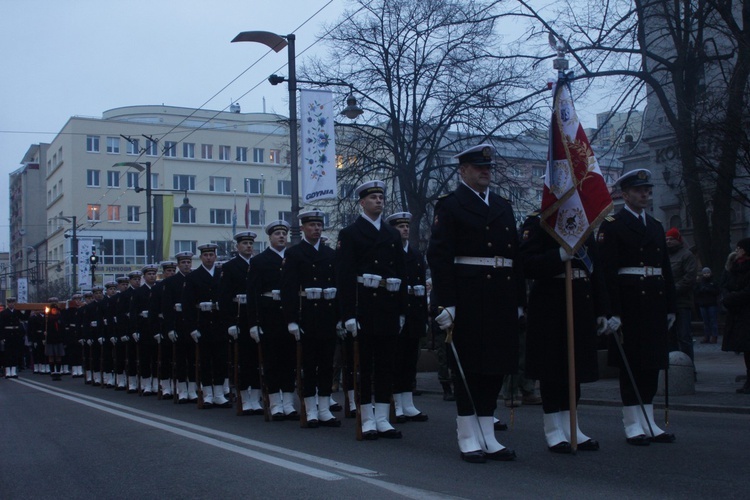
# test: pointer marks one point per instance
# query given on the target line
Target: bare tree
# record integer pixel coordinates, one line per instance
(433, 79)
(693, 57)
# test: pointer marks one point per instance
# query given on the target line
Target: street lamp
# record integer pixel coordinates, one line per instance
(140, 167)
(158, 210)
(277, 43)
(73, 246)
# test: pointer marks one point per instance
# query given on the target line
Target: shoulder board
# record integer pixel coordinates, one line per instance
(444, 195)
(533, 214)
(609, 218)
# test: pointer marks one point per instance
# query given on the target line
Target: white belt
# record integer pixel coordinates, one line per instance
(576, 274)
(640, 271)
(360, 279)
(484, 261)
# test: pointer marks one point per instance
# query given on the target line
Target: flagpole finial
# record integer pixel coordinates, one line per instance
(560, 63)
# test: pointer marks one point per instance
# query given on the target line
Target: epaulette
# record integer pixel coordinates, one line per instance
(533, 214)
(444, 195)
(609, 218)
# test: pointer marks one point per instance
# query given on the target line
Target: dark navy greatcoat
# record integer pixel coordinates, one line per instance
(416, 311)
(486, 298)
(642, 302)
(263, 277)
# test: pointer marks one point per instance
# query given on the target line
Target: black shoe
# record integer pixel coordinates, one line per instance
(335, 407)
(292, 416)
(473, 457)
(312, 424)
(278, 417)
(370, 435)
(419, 417)
(207, 406)
(499, 426)
(166, 396)
(401, 419)
(390, 434)
(182, 401)
(228, 404)
(334, 422)
(255, 412)
(504, 455)
(589, 445)
(664, 437)
(745, 389)
(416, 392)
(561, 447)
(640, 440)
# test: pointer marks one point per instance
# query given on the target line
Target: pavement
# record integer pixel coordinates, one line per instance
(715, 386)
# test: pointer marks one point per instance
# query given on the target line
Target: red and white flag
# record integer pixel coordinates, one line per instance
(575, 197)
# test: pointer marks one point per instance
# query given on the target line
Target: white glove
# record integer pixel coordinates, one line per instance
(520, 311)
(178, 307)
(601, 325)
(401, 322)
(89, 341)
(565, 256)
(101, 340)
(352, 326)
(94, 324)
(294, 329)
(613, 324)
(136, 336)
(81, 341)
(255, 333)
(172, 335)
(196, 335)
(671, 317)
(206, 306)
(105, 321)
(232, 331)
(124, 338)
(144, 314)
(113, 340)
(157, 338)
(340, 330)
(445, 318)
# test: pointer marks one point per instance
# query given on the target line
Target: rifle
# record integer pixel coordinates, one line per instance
(302, 407)
(198, 386)
(356, 383)
(127, 363)
(101, 363)
(345, 378)
(114, 359)
(138, 367)
(91, 362)
(263, 388)
(237, 388)
(158, 367)
(175, 393)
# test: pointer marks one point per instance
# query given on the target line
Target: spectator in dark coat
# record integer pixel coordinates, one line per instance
(707, 299)
(737, 302)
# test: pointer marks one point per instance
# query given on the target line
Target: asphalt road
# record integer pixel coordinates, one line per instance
(68, 440)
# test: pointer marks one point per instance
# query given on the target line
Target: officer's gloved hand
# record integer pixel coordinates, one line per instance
(295, 330)
(136, 336)
(101, 340)
(613, 324)
(94, 324)
(172, 335)
(113, 340)
(352, 326)
(401, 322)
(565, 256)
(81, 341)
(601, 325)
(232, 331)
(255, 333)
(157, 338)
(124, 338)
(445, 318)
(671, 317)
(89, 341)
(340, 330)
(195, 334)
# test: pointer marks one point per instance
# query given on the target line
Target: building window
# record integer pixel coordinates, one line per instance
(537, 172)
(93, 212)
(224, 152)
(284, 187)
(113, 145)
(154, 180)
(54, 159)
(274, 156)
(188, 150)
(113, 213)
(286, 216)
(59, 155)
(347, 191)
(256, 218)
(183, 182)
(113, 179)
(184, 216)
(134, 213)
(516, 172)
(225, 247)
(207, 151)
(185, 246)
(151, 148)
(132, 147)
(122, 252)
(221, 216)
(170, 149)
(92, 178)
(241, 153)
(92, 143)
(258, 155)
(132, 179)
(219, 184)
(253, 186)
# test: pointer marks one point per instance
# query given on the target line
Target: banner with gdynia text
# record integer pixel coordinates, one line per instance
(318, 145)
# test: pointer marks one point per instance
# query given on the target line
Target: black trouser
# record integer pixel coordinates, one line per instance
(107, 361)
(213, 359)
(148, 355)
(184, 361)
(554, 392)
(376, 353)
(95, 363)
(164, 359)
(13, 347)
(317, 364)
(248, 361)
(646, 380)
(484, 391)
(407, 355)
(279, 361)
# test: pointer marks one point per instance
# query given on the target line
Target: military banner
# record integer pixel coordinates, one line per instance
(318, 145)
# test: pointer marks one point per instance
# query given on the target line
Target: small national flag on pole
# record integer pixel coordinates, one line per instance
(234, 214)
(262, 208)
(575, 197)
(247, 204)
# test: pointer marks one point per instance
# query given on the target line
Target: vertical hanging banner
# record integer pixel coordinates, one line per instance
(23, 290)
(318, 144)
(163, 217)
(84, 269)
(575, 197)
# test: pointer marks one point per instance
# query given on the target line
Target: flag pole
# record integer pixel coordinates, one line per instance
(571, 357)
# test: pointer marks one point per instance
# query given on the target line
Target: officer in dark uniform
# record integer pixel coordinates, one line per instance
(546, 339)
(140, 330)
(12, 335)
(177, 330)
(478, 282)
(642, 295)
(156, 322)
(124, 322)
(267, 325)
(232, 307)
(35, 334)
(308, 300)
(93, 328)
(109, 310)
(200, 298)
(372, 294)
(407, 352)
(120, 330)
(72, 334)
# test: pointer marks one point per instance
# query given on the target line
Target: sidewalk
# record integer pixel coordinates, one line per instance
(714, 389)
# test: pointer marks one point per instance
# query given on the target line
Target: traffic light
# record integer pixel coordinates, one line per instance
(93, 259)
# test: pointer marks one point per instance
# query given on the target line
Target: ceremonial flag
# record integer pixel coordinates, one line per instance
(318, 145)
(262, 208)
(234, 215)
(575, 197)
(247, 205)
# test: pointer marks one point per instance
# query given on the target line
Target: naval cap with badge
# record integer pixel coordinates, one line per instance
(150, 268)
(480, 155)
(370, 187)
(398, 218)
(635, 178)
(135, 275)
(110, 284)
(245, 236)
(277, 225)
(186, 255)
(312, 215)
(208, 247)
(168, 264)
